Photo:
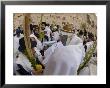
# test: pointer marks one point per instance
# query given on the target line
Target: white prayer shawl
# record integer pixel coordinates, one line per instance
(39, 44)
(75, 40)
(48, 43)
(16, 43)
(51, 50)
(23, 60)
(38, 54)
(16, 51)
(65, 60)
(55, 35)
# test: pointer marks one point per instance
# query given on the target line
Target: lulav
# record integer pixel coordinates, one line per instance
(28, 51)
(87, 58)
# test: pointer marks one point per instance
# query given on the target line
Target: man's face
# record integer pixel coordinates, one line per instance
(18, 35)
(43, 26)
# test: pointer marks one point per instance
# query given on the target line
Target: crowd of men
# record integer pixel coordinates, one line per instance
(54, 57)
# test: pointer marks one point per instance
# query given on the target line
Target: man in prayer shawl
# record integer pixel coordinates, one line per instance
(76, 39)
(37, 47)
(16, 39)
(91, 67)
(39, 44)
(47, 32)
(65, 60)
(35, 32)
(55, 34)
(24, 65)
(90, 42)
(51, 50)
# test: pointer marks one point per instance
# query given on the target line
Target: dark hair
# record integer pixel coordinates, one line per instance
(58, 26)
(36, 34)
(46, 38)
(18, 27)
(48, 25)
(22, 46)
(84, 42)
(44, 23)
(18, 31)
(85, 32)
(56, 29)
(85, 46)
(33, 43)
(91, 36)
(31, 27)
(80, 32)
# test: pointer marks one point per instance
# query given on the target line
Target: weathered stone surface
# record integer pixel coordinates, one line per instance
(76, 19)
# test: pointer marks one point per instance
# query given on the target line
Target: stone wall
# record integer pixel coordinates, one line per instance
(76, 19)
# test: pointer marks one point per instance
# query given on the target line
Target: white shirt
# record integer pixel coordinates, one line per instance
(64, 61)
(39, 44)
(48, 31)
(38, 54)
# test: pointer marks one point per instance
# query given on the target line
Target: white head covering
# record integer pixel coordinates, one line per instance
(75, 40)
(64, 61)
(50, 51)
(39, 44)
